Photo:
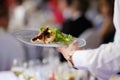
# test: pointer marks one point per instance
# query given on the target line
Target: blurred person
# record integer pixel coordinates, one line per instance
(4, 17)
(107, 30)
(11, 5)
(18, 16)
(104, 29)
(10, 49)
(76, 22)
(77, 18)
(93, 14)
(64, 8)
(44, 14)
(103, 62)
(31, 5)
(58, 17)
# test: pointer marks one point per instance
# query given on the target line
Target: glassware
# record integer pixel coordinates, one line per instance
(29, 74)
(17, 68)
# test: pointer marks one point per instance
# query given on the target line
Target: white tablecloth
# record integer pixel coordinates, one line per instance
(7, 75)
(44, 72)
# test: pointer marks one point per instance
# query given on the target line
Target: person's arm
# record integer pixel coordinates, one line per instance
(117, 15)
(103, 62)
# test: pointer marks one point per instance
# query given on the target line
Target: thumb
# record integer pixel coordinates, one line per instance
(74, 43)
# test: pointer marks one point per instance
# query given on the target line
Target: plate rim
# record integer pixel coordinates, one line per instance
(43, 44)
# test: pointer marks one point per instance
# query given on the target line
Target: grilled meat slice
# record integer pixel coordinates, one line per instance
(46, 36)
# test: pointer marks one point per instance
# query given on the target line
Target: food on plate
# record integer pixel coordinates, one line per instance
(52, 35)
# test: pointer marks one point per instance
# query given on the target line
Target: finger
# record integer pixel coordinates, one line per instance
(75, 43)
(60, 49)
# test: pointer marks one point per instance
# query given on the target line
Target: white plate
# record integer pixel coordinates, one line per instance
(26, 35)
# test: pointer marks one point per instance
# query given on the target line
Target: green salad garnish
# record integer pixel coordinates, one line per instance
(59, 36)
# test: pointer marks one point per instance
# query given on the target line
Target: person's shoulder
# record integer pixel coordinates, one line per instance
(83, 19)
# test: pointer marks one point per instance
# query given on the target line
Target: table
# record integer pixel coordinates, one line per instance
(7, 75)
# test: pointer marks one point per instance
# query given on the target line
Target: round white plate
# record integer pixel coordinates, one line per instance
(26, 35)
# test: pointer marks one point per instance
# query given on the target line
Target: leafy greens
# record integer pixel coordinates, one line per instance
(59, 36)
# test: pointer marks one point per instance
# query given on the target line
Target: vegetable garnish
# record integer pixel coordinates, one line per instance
(52, 35)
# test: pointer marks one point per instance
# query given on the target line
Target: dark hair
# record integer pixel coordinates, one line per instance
(1, 1)
(81, 5)
(69, 2)
(19, 1)
(109, 3)
(4, 15)
(4, 11)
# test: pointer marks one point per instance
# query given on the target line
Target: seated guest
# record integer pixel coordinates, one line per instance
(77, 22)
(107, 29)
(10, 49)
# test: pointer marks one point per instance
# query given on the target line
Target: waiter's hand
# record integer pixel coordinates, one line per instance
(66, 50)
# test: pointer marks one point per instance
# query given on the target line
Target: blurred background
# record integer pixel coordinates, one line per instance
(91, 20)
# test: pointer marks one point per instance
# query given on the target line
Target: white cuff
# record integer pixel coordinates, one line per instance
(82, 59)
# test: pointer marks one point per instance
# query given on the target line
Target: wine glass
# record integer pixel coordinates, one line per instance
(29, 74)
(17, 68)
